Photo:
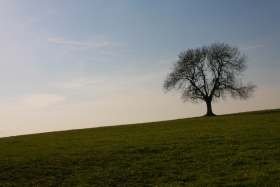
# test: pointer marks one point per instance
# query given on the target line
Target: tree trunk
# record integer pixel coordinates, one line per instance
(209, 108)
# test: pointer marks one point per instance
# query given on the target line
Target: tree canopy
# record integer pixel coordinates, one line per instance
(209, 73)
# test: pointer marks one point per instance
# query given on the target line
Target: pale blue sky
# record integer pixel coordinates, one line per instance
(80, 64)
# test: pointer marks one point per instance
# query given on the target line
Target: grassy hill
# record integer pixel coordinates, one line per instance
(229, 150)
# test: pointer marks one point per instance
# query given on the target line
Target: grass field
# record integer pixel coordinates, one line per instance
(229, 150)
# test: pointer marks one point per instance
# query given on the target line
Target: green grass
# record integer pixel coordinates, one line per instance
(230, 150)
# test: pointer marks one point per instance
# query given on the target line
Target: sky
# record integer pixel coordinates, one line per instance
(83, 64)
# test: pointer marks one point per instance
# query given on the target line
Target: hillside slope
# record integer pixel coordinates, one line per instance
(230, 150)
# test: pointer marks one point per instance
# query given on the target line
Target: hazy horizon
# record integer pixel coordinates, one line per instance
(85, 64)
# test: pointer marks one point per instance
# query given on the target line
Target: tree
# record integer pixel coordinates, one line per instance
(208, 74)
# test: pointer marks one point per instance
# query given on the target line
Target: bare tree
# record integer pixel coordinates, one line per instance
(208, 74)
